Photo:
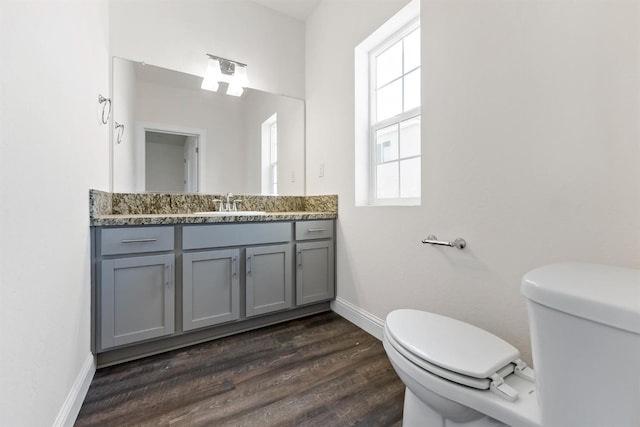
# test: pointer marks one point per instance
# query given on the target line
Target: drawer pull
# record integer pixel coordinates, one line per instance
(138, 240)
(316, 230)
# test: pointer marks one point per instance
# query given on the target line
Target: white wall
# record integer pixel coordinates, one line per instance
(52, 150)
(531, 146)
(177, 34)
(124, 107)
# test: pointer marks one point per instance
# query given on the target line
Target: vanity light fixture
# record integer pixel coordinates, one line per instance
(222, 70)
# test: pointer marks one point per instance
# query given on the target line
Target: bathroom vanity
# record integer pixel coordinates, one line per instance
(166, 280)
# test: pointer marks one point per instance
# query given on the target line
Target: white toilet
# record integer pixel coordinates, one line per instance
(585, 331)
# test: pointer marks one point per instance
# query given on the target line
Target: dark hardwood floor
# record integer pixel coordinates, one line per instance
(317, 371)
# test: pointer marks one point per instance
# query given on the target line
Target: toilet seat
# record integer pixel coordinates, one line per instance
(455, 350)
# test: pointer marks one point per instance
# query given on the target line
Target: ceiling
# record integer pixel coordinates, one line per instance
(297, 9)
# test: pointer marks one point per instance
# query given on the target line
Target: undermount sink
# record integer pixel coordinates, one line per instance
(233, 213)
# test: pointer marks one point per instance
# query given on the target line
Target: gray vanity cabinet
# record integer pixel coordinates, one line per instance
(159, 287)
(210, 288)
(137, 299)
(268, 279)
(136, 292)
(315, 276)
(268, 272)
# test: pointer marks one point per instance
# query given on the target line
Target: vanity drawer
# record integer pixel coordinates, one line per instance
(309, 230)
(131, 240)
(221, 235)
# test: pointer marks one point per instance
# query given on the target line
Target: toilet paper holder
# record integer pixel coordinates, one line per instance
(459, 243)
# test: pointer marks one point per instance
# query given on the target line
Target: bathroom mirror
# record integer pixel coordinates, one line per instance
(170, 135)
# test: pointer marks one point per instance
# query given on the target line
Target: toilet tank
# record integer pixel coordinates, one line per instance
(585, 337)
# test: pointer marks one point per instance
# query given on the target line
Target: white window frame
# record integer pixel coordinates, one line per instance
(364, 196)
(273, 157)
(269, 181)
(374, 125)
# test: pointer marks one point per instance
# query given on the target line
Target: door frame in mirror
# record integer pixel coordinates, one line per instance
(143, 127)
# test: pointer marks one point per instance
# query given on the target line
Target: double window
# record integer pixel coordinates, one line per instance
(394, 124)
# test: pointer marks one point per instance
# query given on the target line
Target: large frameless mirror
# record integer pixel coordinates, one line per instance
(172, 136)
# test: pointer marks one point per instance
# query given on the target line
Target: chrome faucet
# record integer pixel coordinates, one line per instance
(229, 205)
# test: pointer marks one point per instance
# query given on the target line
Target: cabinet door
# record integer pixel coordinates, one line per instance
(315, 280)
(269, 274)
(211, 288)
(137, 299)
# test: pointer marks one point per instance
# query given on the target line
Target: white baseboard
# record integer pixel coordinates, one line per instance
(359, 317)
(71, 407)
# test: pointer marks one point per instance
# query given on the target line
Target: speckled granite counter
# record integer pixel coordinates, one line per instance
(121, 209)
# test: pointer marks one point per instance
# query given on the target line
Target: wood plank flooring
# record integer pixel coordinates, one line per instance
(317, 371)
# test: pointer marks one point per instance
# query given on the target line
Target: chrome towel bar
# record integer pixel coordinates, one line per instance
(459, 243)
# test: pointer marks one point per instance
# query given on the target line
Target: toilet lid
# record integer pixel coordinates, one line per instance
(450, 344)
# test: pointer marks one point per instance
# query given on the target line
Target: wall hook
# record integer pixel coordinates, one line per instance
(119, 132)
(104, 101)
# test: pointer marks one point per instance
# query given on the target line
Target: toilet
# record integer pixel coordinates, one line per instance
(585, 337)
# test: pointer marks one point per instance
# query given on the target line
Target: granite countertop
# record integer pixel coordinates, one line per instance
(167, 219)
(123, 209)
